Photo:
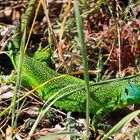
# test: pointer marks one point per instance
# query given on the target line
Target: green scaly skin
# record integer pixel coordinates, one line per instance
(110, 95)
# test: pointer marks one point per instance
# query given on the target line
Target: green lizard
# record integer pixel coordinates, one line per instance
(107, 96)
(111, 94)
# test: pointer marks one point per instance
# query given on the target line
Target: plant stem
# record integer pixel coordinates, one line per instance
(85, 63)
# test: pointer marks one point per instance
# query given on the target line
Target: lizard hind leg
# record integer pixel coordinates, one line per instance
(99, 123)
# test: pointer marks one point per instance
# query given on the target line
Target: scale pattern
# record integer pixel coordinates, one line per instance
(109, 95)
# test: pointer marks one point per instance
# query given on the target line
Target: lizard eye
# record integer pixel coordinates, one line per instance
(126, 91)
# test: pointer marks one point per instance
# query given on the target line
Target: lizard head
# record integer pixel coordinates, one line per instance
(131, 94)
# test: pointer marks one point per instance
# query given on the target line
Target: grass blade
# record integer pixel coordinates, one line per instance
(59, 135)
(85, 63)
(50, 102)
(121, 123)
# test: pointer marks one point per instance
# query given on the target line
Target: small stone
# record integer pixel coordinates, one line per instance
(7, 11)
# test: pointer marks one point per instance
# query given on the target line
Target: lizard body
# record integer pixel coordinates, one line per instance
(110, 95)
